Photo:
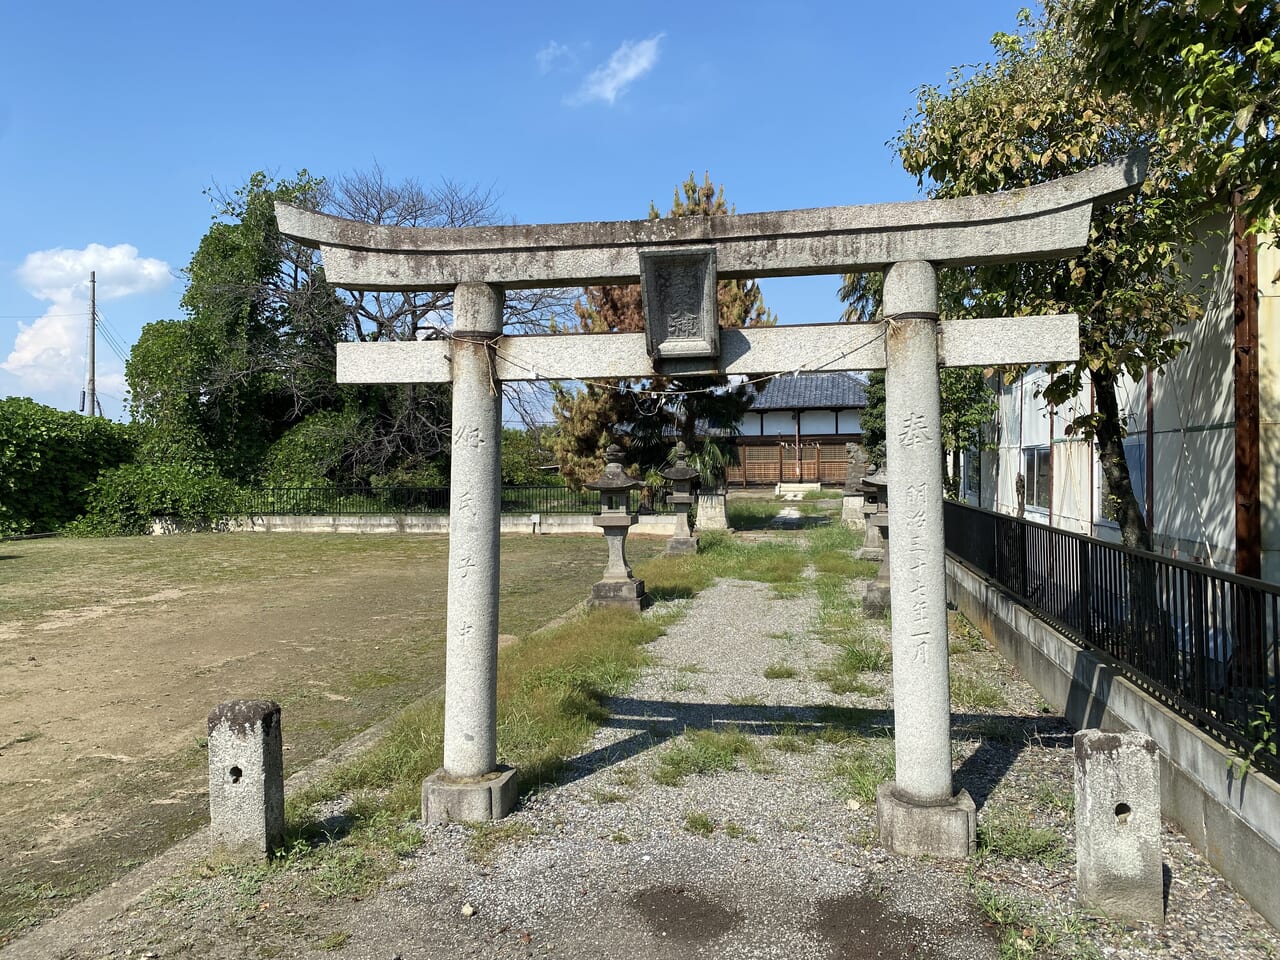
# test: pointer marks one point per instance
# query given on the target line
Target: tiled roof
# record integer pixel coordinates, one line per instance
(812, 391)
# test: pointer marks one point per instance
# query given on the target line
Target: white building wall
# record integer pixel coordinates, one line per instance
(1189, 444)
(778, 422)
(817, 422)
(1269, 406)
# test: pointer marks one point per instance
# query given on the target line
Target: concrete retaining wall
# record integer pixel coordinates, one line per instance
(650, 524)
(1233, 821)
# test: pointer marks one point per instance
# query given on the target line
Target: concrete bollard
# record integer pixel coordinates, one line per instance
(1119, 872)
(246, 778)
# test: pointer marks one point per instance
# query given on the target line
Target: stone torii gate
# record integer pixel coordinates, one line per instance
(677, 261)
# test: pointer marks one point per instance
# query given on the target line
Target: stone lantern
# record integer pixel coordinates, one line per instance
(682, 477)
(875, 602)
(618, 588)
(875, 501)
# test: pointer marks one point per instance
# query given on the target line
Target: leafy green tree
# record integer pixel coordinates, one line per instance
(48, 461)
(1210, 69)
(1033, 114)
(967, 401)
(255, 352)
(524, 458)
(968, 407)
(588, 418)
(873, 434)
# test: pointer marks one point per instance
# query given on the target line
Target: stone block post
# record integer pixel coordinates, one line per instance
(246, 778)
(1119, 872)
(471, 786)
(918, 813)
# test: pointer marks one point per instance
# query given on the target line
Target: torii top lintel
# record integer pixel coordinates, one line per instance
(1044, 221)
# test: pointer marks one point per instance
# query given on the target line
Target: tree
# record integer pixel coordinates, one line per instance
(967, 402)
(1032, 114)
(254, 354)
(252, 364)
(589, 417)
(1210, 69)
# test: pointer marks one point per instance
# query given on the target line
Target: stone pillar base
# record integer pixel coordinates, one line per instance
(869, 553)
(875, 601)
(912, 829)
(491, 797)
(620, 593)
(682, 545)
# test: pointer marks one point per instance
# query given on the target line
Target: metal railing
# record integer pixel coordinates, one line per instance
(1205, 642)
(351, 501)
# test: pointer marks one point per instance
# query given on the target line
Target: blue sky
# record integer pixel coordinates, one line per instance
(114, 119)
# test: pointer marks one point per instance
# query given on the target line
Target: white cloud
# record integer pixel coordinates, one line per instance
(59, 274)
(627, 64)
(50, 351)
(552, 52)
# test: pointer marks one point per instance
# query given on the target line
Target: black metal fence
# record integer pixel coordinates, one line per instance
(1204, 641)
(348, 501)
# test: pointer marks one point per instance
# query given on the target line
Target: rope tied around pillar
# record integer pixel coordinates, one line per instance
(490, 344)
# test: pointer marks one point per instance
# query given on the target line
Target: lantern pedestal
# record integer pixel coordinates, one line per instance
(618, 588)
(682, 477)
(683, 540)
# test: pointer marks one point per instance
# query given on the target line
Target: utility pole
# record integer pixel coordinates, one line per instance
(93, 330)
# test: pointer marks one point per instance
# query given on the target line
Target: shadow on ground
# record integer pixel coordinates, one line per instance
(1001, 737)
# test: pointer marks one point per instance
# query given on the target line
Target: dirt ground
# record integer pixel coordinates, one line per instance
(112, 652)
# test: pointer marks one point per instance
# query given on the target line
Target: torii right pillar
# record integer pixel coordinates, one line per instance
(918, 812)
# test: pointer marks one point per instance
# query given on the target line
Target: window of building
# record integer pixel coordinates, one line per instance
(1035, 472)
(971, 482)
(1135, 455)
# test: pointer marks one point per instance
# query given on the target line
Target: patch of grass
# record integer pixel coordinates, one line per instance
(779, 671)
(996, 729)
(863, 767)
(975, 693)
(549, 692)
(607, 796)
(735, 831)
(619, 837)
(490, 837)
(697, 822)
(1010, 835)
(840, 622)
(964, 636)
(372, 680)
(333, 941)
(794, 743)
(705, 751)
(1054, 797)
(1025, 933)
(720, 555)
(830, 550)
(690, 668)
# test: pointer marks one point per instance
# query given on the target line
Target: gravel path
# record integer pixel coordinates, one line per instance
(606, 865)
(776, 858)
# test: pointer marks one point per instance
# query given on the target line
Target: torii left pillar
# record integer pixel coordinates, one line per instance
(471, 786)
